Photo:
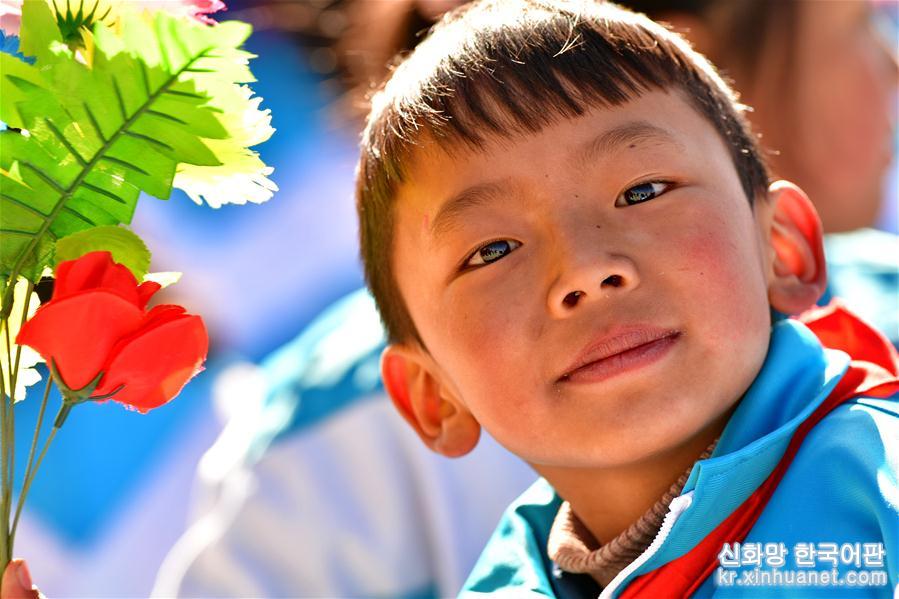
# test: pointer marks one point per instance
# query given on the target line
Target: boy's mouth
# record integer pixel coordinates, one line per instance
(620, 351)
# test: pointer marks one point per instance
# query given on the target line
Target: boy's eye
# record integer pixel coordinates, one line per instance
(642, 192)
(492, 252)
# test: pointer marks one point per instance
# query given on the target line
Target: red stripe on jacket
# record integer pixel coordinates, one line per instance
(873, 372)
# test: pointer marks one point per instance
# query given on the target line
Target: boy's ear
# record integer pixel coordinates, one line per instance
(797, 275)
(415, 384)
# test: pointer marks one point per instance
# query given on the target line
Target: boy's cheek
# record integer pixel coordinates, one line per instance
(485, 336)
(489, 344)
(725, 285)
(693, 263)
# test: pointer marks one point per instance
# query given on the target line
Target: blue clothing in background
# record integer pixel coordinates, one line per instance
(320, 488)
(863, 271)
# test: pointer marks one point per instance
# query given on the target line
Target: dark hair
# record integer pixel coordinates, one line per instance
(506, 67)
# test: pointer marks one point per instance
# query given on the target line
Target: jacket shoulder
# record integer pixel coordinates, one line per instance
(862, 432)
(842, 484)
(514, 559)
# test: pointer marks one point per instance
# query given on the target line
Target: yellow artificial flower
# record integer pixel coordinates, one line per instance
(29, 358)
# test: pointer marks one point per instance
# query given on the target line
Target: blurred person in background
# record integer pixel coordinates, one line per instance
(821, 78)
(310, 493)
(832, 131)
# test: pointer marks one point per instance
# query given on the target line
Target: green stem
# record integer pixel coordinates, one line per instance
(40, 421)
(6, 491)
(14, 379)
(6, 430)
(10, 415)
(9, 430)
(27, 485)
(8, 424)
(30, 467)
(29, 287)
(5, 310)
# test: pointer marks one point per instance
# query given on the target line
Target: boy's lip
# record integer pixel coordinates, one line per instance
(630, 347)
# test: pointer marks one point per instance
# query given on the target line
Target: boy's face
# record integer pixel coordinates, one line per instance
(669, 294)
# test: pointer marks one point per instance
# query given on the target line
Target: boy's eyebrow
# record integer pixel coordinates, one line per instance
(451, 210)
(628, 133)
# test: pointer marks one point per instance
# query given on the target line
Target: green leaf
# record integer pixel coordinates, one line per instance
(99, 135)
(19, 78)
(39, 34)
(124, 245)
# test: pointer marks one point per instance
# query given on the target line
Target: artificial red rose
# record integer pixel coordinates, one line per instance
(97, 322)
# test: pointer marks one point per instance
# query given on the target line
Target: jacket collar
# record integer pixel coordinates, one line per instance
(797, 376)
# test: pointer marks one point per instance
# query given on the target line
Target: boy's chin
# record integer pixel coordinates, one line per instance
(658, 441)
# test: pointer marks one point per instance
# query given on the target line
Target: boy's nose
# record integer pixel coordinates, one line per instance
(598, 276)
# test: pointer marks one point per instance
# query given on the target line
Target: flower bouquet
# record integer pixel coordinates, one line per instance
(101, 100)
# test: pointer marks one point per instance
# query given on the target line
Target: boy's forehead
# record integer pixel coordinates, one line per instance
(602, 141)
(656, 118)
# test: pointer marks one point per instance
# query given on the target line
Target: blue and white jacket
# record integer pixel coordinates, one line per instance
(841, 489)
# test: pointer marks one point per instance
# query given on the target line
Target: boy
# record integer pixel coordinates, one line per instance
(571, 238)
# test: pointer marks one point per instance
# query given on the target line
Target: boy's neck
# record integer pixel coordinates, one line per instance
(608, 500)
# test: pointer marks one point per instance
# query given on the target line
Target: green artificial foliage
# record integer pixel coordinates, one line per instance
(126, 247)
(86, 139)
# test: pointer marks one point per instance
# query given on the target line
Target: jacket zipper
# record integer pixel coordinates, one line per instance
(677, 507)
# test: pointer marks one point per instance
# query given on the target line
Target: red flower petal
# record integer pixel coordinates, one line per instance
(156, 363)
(145, 291)
(161, 314)
(78, 332)
(157, 316)
(95, 270)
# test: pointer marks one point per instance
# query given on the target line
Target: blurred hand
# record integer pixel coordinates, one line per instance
(17, 582)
